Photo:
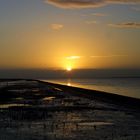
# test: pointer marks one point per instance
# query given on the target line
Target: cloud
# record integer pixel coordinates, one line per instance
(91, 22)
(107, 56)
(86, 3)
(73, 57)
(84, 15)
(76, 3)
(95, 56)
(126, 25)
(56, 26)
(99, 14)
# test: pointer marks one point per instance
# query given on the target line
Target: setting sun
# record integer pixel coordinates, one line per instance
(68, 68)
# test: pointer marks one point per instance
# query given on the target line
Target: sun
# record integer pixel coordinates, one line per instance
(69, 68)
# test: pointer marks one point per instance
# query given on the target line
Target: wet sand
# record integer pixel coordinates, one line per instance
(36, 110)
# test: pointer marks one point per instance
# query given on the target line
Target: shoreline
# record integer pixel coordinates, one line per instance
(114, 98)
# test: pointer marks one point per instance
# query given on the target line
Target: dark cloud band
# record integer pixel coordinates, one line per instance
(126, 25)
(86, 3)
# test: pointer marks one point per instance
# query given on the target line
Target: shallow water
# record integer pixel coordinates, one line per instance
(122, 86)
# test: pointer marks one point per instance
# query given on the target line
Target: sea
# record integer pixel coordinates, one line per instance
(121, 86)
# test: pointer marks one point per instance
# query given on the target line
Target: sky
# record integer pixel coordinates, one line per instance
(64, 34)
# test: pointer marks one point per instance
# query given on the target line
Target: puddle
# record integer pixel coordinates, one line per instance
(19, 98)
(48, 98)
(58, 89)
(95, 123)
(12, 105)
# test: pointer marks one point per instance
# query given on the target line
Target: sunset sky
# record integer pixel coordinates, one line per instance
(77, 34)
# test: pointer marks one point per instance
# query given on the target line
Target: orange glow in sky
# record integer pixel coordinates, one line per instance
(90, 39)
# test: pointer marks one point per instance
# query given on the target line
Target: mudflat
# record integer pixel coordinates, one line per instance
(36, 110)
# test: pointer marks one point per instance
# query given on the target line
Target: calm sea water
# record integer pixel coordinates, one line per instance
(122, 86)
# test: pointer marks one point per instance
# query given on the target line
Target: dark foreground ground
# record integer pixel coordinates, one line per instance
(35, 110)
